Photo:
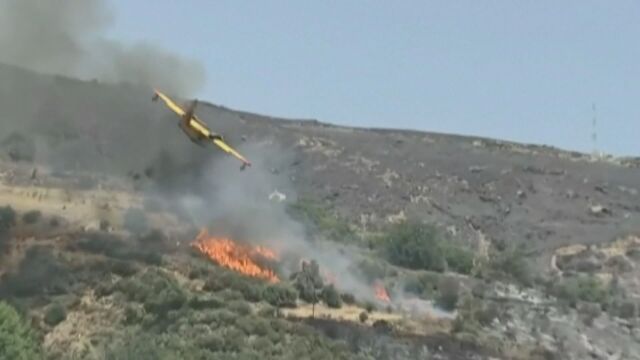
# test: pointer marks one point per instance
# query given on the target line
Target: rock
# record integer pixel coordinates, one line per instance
(570, 194)
(599, 210)
(477, 169)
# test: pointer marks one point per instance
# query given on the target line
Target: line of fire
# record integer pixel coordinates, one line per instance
(261, 262)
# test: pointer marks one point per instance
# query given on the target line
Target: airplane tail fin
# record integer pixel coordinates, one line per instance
(191, 110)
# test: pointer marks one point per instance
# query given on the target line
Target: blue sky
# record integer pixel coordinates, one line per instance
(527, 71)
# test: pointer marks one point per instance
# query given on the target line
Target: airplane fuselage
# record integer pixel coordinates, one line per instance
(194, 135)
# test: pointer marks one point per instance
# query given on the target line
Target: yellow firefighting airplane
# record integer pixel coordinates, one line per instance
(196, 129)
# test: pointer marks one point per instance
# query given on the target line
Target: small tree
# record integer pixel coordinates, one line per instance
(309, 284)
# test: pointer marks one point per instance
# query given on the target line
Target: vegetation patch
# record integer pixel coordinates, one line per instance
(17, 341)
(419, 246)
(31, 217)
(320, 219)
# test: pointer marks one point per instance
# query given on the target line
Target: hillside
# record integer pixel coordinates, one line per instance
(568, 216)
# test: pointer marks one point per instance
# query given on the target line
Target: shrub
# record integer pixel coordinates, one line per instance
(135, 221)
(487, 314)
(17, 341)
(425, 284)
(206, 302)
(19, 147)
(448, 289)
(280, 295)
(321, 219)
(54, 222)
(369, 307)
(363, 317)
(331, 297)
(458, 259)
(589, 312)
(55, 314)
(348, 298)
(625, 309)
(250, 291)
(7, 218)
(415, 246)
(31, 217)
(39, 273)
(154, 239)
(123, 268)
(158, 292)
(582, 288)
(241, 307)
(513, 264)
(373, 269)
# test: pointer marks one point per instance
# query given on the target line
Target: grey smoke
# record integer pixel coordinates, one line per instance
(237, 204)
(67, 37)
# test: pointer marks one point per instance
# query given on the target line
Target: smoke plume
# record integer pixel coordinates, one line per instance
(66, 37)
(238, 205)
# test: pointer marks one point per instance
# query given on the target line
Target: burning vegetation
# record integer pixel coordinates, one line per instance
(246, 259)
(381, 292)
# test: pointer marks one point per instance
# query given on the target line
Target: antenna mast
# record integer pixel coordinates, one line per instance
(594, 134)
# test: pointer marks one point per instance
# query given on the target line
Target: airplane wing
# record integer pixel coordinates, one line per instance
(198, 124)
(170, 104)
(231, 151)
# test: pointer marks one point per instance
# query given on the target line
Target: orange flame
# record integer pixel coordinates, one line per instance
(329, 278)
(235, 256)
(381, 292)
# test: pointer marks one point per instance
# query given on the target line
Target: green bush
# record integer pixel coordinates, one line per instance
(348, 298)
(17, 341)
(55, 314)
(513, 264)
(415, 246)
(422, 247)
(373, 269)
(240, 307)
(581, 288)
(280, 295)
(157, 291)
(424, 284)
(458, 259)
(319, 218)
(122, 268)
(7, 218)
(331, 297)
(31, 217)
(364, 317)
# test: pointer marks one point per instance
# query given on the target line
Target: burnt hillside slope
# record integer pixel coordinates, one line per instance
(479, 189)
